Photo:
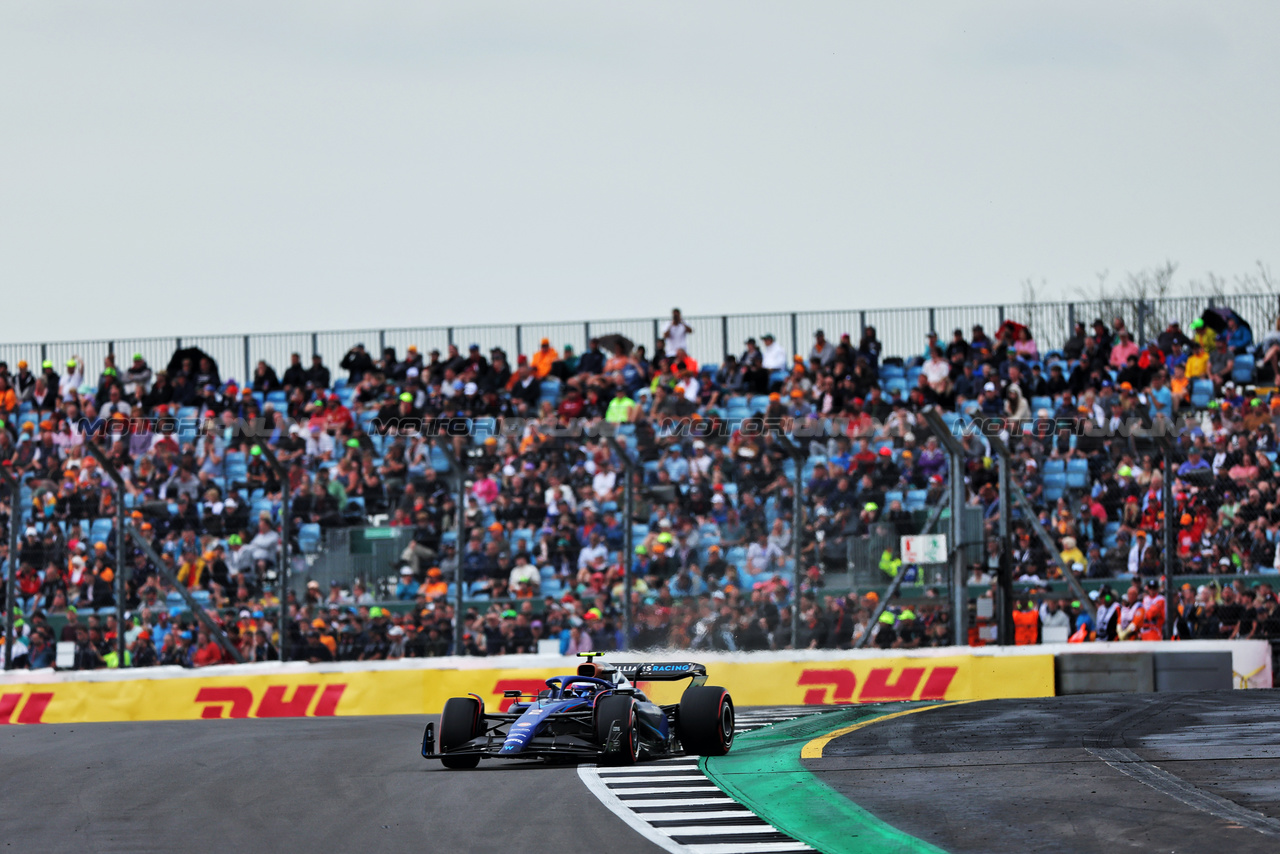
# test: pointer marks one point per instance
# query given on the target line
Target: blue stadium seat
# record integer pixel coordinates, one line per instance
(309, 537)
(1041, 402)
(1077, 473)
(1055, 485)
(1242, 373)
(100, 532)
(1201, 393)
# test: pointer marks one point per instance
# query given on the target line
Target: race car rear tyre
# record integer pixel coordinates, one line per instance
(622, 710)
(705, 721)
(460, 723)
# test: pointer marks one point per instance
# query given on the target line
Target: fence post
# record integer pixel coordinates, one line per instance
(795, 338)
(586, 334)
(654, 343)
(932, 326)
(1000, 316)
(724, 335)
(111, 348)
(315, 343)
(1142, 323)
(862, 324)
(382, 342)
(519, 341)
(248, 367)
(451, 337)
(1071, 319)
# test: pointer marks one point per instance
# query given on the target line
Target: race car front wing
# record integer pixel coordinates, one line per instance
(552, 741)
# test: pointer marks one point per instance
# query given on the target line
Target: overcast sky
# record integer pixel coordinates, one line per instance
(202, 167)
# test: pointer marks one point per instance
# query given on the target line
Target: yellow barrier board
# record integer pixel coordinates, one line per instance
(410, 692)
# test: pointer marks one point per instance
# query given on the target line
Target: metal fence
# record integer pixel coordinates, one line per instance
(902, 332)
(371, 561)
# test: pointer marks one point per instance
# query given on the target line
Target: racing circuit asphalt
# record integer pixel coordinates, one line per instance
(294, 784)
(1104, 773)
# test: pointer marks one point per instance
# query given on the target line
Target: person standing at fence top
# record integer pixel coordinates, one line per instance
(675, 334)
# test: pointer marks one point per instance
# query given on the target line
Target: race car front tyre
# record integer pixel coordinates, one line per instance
(622, 710)
(459, 724)
(705, 721)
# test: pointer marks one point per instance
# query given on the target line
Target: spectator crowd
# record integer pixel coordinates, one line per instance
(714, 562)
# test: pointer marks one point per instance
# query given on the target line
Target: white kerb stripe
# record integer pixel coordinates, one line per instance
(716, 831)
(696, 818)
(746, 847)
(656, 778)
(724, 800)
(666, 790)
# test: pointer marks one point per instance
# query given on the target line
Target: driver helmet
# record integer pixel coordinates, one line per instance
(582, 689)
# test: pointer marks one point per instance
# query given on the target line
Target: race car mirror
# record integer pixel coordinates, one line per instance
(512, 694)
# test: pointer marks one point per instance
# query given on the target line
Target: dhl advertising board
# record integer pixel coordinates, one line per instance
(425, 690)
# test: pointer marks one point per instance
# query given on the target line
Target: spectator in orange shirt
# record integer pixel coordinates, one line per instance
(435, 584)
(542, 360)
(8, 400)
(1180, 386)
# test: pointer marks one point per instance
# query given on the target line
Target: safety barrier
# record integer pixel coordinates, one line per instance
(421, 686)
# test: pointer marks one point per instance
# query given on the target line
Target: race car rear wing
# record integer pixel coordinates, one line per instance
(663, 671)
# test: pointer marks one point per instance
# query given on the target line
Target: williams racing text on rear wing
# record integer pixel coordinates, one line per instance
(663, 671)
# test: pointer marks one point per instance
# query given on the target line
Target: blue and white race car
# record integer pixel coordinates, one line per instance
(596, 714)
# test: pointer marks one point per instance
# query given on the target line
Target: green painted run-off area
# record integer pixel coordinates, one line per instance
(764, 772)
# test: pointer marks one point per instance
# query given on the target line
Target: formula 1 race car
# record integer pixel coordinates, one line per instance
(597, 714)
